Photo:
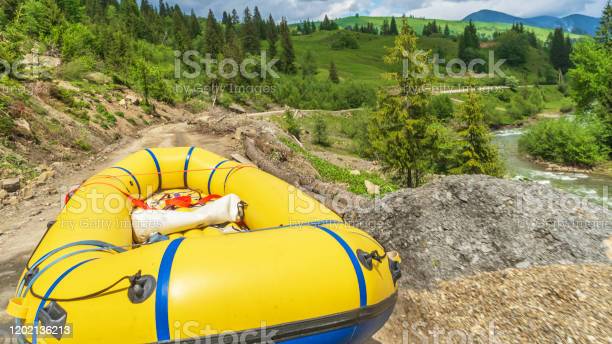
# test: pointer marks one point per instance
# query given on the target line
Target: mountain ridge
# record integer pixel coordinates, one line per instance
(576, 23)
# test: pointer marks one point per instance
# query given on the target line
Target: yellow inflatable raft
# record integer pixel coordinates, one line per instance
(298, 275)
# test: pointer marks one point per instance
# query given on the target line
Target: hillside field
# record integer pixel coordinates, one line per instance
(455, 26)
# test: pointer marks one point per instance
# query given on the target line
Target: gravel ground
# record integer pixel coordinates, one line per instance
(462, 225)
(548, 304)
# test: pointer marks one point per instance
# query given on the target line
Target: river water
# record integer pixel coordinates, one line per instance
(596, 188)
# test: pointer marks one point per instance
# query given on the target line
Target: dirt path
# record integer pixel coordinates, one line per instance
(23, 226)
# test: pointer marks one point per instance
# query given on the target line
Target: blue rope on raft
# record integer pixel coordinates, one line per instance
(48, 293)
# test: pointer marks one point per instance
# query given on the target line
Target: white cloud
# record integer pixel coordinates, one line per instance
(296, 10)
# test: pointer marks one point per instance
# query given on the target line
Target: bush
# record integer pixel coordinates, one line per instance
(77, 68)
(568, 142)
(317, 94)
(6, 125)
(106, 119)
(77, 40)
(320, 132)
(442, 107)
(344, 40)
(511, 82)
(293, 127)
(566, 108)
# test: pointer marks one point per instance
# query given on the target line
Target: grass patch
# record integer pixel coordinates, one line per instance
(15, 165)
(333, 173)
(105, 118)
(82, 144)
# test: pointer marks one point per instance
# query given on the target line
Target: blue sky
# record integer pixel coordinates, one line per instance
(296, 10)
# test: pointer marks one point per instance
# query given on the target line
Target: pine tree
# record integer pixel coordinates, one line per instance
(385, 28)
(287, 59)
(272, 36)
(393, 27)
(250, 34)
(604, 33)
(234, 18)
(130, 15)
(446, 31)
(194, 25)
(560, 50)
(309, 65)
(405, 136)
(478, 154)
(213, 39)
(333, 73)
(469, 43)
(259, 23)
(325, 24)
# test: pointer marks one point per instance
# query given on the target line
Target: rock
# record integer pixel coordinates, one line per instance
(11, 184)
(237, 108)
(471, 224)
(98, 78)
(123, 103)
(372, 188)
(22, 128)
(355, 172)
(11, 200)
(28, 193)
(57, 166)
(44, 177)
(130, 99)
(3, 195)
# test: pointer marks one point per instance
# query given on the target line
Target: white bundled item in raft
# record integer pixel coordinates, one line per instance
(147, 222)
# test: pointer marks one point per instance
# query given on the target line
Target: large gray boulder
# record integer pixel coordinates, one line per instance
(460, 225)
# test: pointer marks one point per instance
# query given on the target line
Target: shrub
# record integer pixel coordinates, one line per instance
(320, 136)
(77, 40)
(6, 125)
(566, 108)
(564, 141)
(317, 94)
(82, 144)
(293, 127)
(344, 40)
(442, 107)
(77, 68)
(106, 118)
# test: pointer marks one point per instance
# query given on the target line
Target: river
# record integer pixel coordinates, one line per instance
(596, 188)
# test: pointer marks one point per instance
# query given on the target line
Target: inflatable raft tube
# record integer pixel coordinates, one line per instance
(299, 275)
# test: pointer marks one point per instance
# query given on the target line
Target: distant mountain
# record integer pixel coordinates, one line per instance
(576, 23)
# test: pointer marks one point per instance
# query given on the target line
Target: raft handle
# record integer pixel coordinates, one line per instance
(141, 287)
(53, 316)
(366, 258)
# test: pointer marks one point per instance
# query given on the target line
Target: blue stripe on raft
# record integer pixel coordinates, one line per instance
(212, 173)
(338, 336)
(159, 176)
(133, 178)
(161, 295)
(363, 295)
(187, 167)
(48, 293)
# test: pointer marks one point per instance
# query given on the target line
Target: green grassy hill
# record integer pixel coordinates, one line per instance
(363, 64)
(455, 26)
